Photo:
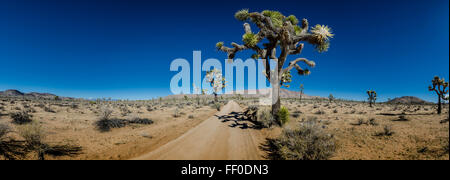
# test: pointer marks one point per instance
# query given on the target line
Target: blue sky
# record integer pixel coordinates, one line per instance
(123, 49)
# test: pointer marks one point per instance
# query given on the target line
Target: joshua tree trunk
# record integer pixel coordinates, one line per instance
(370, 103)
(301, 93)
(439, 110)
(215, 98)
(276, 105)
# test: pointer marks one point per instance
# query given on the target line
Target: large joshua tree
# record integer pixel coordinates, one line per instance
(440, 87)
(278, 32)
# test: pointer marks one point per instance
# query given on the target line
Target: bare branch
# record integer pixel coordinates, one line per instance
(293, 64)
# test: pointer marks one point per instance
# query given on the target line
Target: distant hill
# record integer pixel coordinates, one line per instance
(284, 93)
(32, 95)
(408, 100)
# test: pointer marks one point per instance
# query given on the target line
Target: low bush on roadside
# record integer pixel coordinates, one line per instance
(283, 116)
(264, 117)
(308, 142)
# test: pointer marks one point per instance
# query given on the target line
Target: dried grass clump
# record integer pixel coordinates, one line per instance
(309, 142)
(387, 131)
(264, 117)
(21, 117)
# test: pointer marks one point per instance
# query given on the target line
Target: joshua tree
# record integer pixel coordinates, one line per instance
(301, 92)
(372, 97)
(278, 31)
(439, 86)
(331, 97)
(217, 82)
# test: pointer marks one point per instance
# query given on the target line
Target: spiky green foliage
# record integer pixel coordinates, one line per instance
(250, 39)
(292, 19)
(323, 47)
(283, 116)
(279, 32)
(322, 34)
(276, 17)
(242, 15)
(298, 30)
(286, 78)
(219, 45)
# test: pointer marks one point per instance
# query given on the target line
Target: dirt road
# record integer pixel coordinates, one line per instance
(222, 137)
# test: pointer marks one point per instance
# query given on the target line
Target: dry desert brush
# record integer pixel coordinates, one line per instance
(21, 117)
(285, 33)
(308, 142)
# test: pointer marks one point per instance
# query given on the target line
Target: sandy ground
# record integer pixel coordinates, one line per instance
(221, 137)
(76, 127)
(201, 132)
(422, 136)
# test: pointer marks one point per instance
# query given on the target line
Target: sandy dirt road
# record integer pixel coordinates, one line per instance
(222, 137)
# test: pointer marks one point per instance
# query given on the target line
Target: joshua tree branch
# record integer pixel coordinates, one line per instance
(293, 64)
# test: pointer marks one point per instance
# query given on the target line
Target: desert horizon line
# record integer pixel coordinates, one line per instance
(235, 92)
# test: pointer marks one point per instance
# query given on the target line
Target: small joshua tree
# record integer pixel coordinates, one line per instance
(217, 81)
(372, 97)
(197, 91)
(331, 98)
(301, 92)
(277, 31)
(440, 87)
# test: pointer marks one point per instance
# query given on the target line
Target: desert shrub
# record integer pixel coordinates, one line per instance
(137, 120)
(48, 109)
(401, 118)
(295, 115)
(108, 124)
(335, 111)
(4, 129)
(444, 121)
(149, 109)
(105, 113)
(176, 113)
(33, 134)
(264, 117)
(372, 122)
(309, 142)
(446, 146)
(360, 122)
(191, 116)
(105, 123)
(283, 116)
(124, 111)
(216, 106)
(387, 131)
(319, 112)
(21, 117)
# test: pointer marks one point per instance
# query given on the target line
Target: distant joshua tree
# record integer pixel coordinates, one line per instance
(372, 97)
(331, 98)
(439, 86)
(301, 92)
(278, 31)
(217, 82)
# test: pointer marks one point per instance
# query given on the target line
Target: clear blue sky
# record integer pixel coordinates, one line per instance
(123, 49)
